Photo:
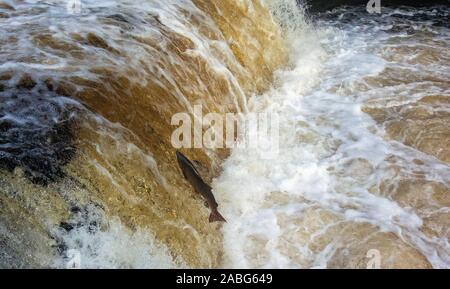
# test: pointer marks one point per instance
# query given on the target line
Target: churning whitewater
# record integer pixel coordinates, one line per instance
(334, 192)
(89, 176)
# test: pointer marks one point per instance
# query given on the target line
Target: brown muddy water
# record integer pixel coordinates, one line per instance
(87, 168)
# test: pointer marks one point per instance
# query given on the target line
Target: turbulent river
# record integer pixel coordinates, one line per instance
(88, 175)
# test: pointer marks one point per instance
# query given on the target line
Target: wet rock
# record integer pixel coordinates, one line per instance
(40, 151)
(5, 76)
(75, 209)
(65, 88)
(96, 41)
(49, 84)
(26, 82)
(66, 226)
(5, 125)
(6, 162)
(6, 6)
(120, 20)
(118, 17)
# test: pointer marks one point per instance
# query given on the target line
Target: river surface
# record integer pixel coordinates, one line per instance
(364, 147)
(88, 175)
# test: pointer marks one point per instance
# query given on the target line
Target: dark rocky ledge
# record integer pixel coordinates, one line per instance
(36, 132)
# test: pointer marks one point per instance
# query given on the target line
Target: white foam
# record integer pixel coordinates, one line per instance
(323, 134)
(116, 246)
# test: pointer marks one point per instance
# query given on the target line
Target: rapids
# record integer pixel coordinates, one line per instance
(363, 166)
(88, 174)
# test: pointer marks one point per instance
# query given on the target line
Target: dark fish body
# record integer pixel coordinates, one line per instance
(193, 177)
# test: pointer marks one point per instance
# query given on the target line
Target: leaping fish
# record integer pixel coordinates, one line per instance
(193, 177)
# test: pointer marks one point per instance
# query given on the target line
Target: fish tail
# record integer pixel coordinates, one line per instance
(215, 216)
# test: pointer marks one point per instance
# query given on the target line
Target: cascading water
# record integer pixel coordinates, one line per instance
(88, 176)
(87, 95)
(362, 167)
